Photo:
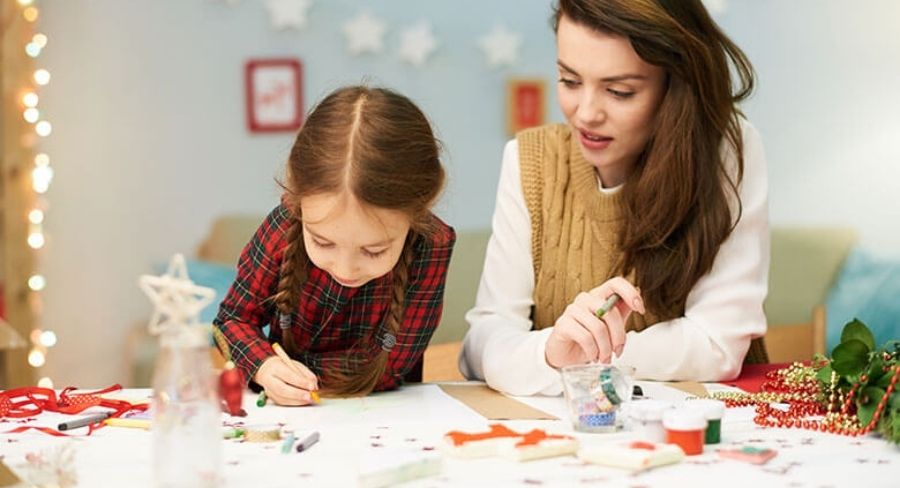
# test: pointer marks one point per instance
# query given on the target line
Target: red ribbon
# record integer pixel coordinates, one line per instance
(30, 401)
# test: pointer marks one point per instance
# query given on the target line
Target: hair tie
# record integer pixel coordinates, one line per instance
(388, 341)
(284, 321)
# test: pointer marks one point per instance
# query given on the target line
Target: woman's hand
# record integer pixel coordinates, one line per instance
(580, 337)
(286, 384)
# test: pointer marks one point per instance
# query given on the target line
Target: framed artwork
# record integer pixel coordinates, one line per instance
(525, 104)
(274, 94)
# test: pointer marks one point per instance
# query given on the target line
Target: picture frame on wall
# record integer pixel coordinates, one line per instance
(525, 103)
(274, 94)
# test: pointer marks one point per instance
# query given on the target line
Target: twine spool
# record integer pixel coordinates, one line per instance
(262, 433)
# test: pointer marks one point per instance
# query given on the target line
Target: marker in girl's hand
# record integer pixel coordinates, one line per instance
(287, 360)
(607, 305)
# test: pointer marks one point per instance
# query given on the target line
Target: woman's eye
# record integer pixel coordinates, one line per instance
(568, 82)
(621, 94)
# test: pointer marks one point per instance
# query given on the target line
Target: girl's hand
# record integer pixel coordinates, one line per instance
(286, 385)
(579, 337)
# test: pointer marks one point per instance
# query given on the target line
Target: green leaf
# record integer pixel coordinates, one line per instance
(894, 402)
(883, 381)
(850, 357)
(858, 330)
(876, 370)
(824, 375)
(867, 402)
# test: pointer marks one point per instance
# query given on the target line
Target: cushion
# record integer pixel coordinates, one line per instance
(867, 288)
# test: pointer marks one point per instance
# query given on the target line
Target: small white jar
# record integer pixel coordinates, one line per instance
(646, 419)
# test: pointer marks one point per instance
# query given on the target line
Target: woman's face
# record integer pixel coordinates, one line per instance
(609, 95)
(352, 242)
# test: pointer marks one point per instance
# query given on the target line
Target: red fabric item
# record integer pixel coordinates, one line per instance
(30, 401)
(753, 376)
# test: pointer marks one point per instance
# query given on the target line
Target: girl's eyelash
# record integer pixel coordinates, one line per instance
(374, 254)
(322, 244)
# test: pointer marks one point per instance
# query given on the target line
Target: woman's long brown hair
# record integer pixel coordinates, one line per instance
(676, 209)
(377, 145)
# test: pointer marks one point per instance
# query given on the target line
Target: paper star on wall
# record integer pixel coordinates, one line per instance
(288, 13)
(176, 299)
(364, 34)
(417, 43)
(501, 47)
(716, 7)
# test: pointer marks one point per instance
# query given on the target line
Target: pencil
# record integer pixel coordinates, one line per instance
(607, 305)
(287, 360)
(132, 423)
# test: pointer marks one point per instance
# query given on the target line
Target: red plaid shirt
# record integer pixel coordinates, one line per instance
(330, 318)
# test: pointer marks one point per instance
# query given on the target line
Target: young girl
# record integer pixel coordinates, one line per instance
(655, 190)
(349, 270)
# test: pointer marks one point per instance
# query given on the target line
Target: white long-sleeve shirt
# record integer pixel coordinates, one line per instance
(723, 311)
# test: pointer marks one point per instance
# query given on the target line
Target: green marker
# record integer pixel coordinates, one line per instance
(607, 305)
(261, 399)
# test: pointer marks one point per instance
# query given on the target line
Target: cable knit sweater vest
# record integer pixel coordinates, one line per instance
(574, 227)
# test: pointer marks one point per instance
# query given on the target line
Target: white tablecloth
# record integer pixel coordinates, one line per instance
(415, 419)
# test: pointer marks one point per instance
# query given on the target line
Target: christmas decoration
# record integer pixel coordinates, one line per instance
(364, 34)
(501, 47)
(853, 393)
(417, 43)
(286, 14)
(176, 299)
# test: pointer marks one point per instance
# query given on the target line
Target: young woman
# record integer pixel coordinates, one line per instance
(654, 190)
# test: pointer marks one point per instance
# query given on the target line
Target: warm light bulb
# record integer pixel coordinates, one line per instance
(36, 240)
(41, 159)
(45, 382)
(48, 338)
(25, 3)
(30, 99)
(31, 115)
(40, 40)
(37, 282)
(36, 358)
(42, 77)
(41, 176)
(36, 216)
(43, 128)
(32, 50)
(30, 14)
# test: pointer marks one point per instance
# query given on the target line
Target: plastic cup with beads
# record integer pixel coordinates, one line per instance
(594, 395)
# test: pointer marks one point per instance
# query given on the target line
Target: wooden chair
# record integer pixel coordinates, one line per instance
(441, 362)
(797, 342)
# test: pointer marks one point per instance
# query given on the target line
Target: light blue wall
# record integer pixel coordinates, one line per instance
(149, 141)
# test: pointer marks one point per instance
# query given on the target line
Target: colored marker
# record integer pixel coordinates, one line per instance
(308, 442)
(279, 351)
(261, 399)
(232, 433)
(83, 421)
(288, 443)
(607, 305)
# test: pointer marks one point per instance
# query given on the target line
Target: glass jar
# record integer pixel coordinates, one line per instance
(186, 428)
(594, 394)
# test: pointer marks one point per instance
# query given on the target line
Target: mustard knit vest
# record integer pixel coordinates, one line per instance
(574, 227)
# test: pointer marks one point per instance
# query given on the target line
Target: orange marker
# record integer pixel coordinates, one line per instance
(287, 360)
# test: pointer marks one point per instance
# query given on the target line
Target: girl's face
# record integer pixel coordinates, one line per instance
(609, 95)
(353, 243)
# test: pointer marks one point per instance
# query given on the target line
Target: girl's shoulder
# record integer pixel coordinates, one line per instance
(439, 235)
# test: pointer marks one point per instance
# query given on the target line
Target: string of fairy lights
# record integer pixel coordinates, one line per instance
(41, 177)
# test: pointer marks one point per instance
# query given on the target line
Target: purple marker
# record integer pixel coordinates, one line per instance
(308, 441)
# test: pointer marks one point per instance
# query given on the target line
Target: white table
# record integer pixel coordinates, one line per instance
(416, 417)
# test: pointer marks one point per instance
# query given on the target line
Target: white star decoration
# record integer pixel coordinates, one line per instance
(417, 43)
(288, 13)
(364, 34)
(501, 47)
(176, 299)
(716, 7)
